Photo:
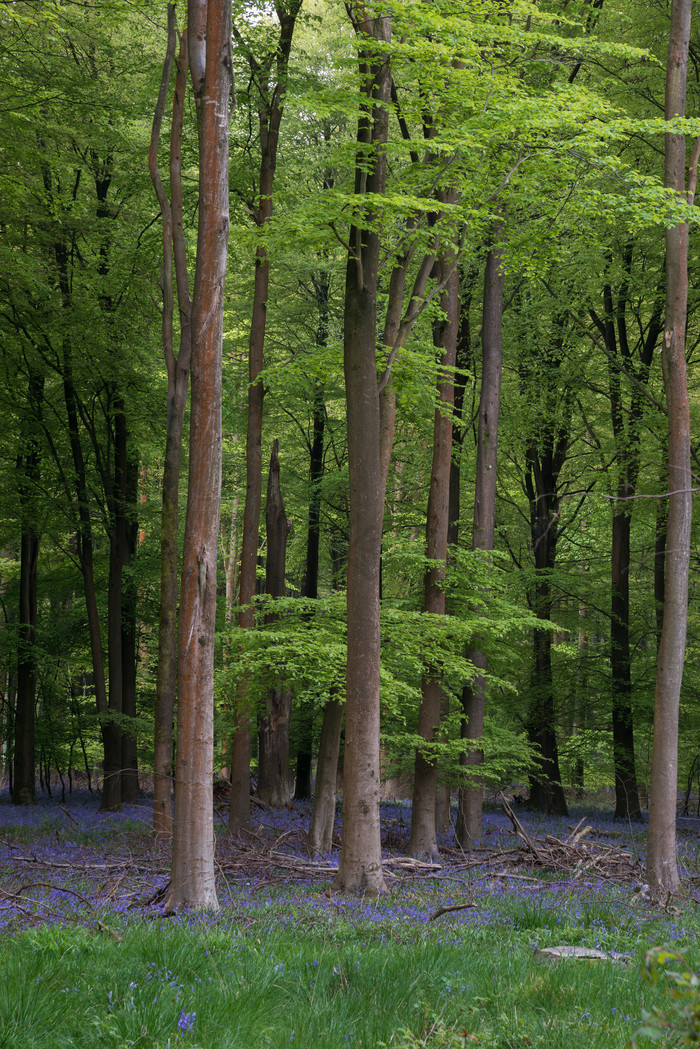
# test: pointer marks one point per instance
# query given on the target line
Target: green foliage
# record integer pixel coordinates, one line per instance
(681, 1020)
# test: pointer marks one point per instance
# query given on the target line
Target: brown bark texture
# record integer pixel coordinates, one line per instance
(178, 371)
(662, 870)
(360, 866)
(471, 794)
(192, 875)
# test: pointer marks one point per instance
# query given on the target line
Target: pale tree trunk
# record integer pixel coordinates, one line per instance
(271, 98)
(360, 866)
(662, 871)
(178, 369)
(273, 725)
(423, 840)
(471, 796)
(323, 814)
(192, 876)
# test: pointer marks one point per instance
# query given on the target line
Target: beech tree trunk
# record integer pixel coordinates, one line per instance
(29, 473)
(471, 795)
(423, 840)
(178, 370)
(323, 812)
(360, 866)
(662, 871)
(192, 877)
(273, 725)
(271, 98)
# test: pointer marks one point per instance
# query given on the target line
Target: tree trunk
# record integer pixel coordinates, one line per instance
(360, 866)
(626, 793)
(192, 877)
(273, 725)
(29, 473)
(546, 791)
(130, 772)
(662, 871)
(471, 795)
(323, 813)
(423, 840)
(178, 370)
(302, 788)
(626, 430)
(271, 107)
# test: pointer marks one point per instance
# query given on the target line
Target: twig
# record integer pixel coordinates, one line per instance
(452, 907)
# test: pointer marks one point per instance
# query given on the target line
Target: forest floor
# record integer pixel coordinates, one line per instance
(447, 958)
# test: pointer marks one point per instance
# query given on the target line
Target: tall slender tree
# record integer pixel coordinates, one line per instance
(192, 877)
(662, 870)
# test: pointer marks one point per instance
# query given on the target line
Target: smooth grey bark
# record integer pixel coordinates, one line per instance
(320, 838)
(360, 866)
(662, 870)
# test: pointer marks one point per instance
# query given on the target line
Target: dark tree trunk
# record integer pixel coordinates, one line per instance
(546, 791)
(29, 473)
(192, 883)
(271, 98)
(626, 793)
(130, 773)
(423, 840)
(273, 725)
(471, 795)
(309, 588)
(626, 430)
(360, 866)
(662, 870)
(178, 369)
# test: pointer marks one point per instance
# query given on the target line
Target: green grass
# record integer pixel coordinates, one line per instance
(324, 982)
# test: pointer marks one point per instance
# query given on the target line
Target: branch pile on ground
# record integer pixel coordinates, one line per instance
(578, 855)
(250, 855)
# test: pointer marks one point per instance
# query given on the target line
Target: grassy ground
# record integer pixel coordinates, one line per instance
(88, 960)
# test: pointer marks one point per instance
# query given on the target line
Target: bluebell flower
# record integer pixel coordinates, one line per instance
(186, 1021)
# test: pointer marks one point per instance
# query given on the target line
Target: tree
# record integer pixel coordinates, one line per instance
(662, 871)
(360, 866)
(270, 106)
(192, 875)
(178, 369)
(469, 811)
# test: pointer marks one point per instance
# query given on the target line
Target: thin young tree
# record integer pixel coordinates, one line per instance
(471, 794)
(662, 870)
(178, 370)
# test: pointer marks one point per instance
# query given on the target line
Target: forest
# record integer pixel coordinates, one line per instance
(347, 426)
